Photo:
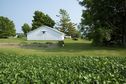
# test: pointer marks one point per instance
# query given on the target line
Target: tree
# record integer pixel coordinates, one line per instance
(26, 28)
(72, 30)
(7, 27)
(41, 19)
(105, 20)
(48, 21)
(65, 24)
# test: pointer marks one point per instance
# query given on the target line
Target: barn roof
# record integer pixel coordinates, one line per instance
(48, 28)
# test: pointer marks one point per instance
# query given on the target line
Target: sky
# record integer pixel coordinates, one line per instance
(22, 11)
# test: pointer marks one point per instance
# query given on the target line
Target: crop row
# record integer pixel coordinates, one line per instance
(61, 69)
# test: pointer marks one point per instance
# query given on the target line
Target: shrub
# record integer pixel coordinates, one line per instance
(61, 43)
(21, 36)
(75, 39)
(49, 42)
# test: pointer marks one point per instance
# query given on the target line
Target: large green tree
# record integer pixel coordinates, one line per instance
(7, 27)
(26, 28)
(105, 20)
(65, 25)
(41, 19)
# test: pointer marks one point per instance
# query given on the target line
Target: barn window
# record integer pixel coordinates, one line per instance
(43, 32)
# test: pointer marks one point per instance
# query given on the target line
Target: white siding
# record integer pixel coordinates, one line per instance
(48, 35)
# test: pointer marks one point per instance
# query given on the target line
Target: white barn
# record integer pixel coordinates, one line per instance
(45, 33)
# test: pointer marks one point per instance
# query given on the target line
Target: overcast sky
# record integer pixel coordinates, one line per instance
(22, 11)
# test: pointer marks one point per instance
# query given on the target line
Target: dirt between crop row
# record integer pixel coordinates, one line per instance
(9, 45)
(15, 45)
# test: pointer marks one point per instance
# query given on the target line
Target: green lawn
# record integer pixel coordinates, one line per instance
(71, 48)
(11, 40)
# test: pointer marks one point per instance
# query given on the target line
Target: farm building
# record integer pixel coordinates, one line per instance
(45, 33)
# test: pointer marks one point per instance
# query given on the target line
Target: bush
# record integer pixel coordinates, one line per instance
(21, 36)
(75, 39)
(49, 42)
(61, 43)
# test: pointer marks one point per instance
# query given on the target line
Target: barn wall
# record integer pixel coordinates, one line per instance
(48, 35)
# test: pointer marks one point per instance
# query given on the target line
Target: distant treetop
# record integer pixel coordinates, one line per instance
(41, 19)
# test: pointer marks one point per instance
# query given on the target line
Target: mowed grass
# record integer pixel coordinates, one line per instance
(71, 48)
(11, 40)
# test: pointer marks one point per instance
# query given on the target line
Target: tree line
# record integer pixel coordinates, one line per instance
(103, 22)
(64, 25)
